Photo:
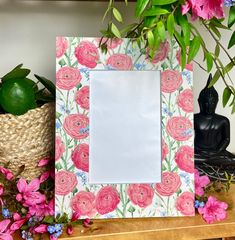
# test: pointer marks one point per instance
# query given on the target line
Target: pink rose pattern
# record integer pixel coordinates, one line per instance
(61, 46)
(173, 196)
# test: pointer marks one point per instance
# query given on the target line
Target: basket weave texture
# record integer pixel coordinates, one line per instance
(26, 139)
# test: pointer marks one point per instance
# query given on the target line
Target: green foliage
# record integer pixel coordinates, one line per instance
(156, 20)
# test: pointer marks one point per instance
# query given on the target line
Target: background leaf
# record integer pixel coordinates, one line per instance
(226, 95)
(140, 7)
(163, 2)
(161, 30)
(170, 24)
(194, 48)
(115, 31)
(231, 41)
(47, 84)
(117, 15)
(231, 17)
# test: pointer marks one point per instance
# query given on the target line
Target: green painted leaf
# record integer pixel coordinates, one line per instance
(140, 7)
(170, 24)
(163, 2)
(115, 31)
(131, 209)
(209, 61)
(117, 15)
(194, 48)
(155, 11)
(231, 18)
(226, 95)
(161, 30)
(231, 41)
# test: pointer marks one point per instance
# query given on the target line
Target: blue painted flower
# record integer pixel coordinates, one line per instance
(57, 124)
(196, 204)
(58, 227)
(229, 3)
(51, 229)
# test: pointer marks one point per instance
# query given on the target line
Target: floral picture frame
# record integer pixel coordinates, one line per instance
(174, 196)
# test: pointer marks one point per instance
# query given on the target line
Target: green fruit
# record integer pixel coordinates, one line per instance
(17, 96)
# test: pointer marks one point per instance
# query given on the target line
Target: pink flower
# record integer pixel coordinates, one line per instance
(87, 54)
(16, 216)
(61, 46)
(80, 157)
(165, 150)
(205, 9)
(200, 183)
(42, 228)
(185, 204)
(110, 42)
(17, 224)
(69, 230)
(44, 176)
(42, 209)
(120, 62)
(82, 97)
(59, 148)
(170, 80)
(4, 231)
(169, 185)
(43, 162)
(75, 216)
(107, 200)
(76, 125)
(179, 128)
(162, 52)
(65, 182)
(83, 203)
(188, 66)
(140, 194)
(214, 210)
(28, 192)
(185, 100)
(7, 173)
(184, 158)
(67, 78)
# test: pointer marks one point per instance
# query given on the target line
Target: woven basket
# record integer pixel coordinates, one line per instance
(26, 139)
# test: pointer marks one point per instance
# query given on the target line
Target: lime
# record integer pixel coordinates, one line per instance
(17, 96)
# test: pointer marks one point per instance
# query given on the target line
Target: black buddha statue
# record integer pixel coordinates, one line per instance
(212, 137)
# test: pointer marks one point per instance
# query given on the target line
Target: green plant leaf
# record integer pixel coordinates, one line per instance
(218, 24)
(117, 15)
(231, 41)
(215, 78)
(47, 84)
(217, 50)
(150, 38)
(44, 97)
(209, 61)
(183, 22)
(115, 31)
(17, 72)
(140, 7)
(161, 30)
(226, 95)
(194, 48)
(170, 24)
(155, 11)
(231, 18)
(163, 2)
(215, 30)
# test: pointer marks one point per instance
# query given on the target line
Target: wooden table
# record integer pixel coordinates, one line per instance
(181, 228)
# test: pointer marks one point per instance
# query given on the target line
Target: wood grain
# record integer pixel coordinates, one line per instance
(180, 228)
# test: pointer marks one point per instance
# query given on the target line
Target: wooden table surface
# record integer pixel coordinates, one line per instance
(180, 228)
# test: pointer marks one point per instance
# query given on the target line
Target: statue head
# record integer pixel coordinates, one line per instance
(208, 99)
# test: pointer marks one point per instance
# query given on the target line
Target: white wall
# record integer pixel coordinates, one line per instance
(28, 30)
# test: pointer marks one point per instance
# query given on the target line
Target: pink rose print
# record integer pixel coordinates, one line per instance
(65, 182)
(83, 203)
(184, 159)
(170, 184)
(165, 150)
(120, 62)
(67, 78)
(200, 183)
(61, 46)
(80, 157)
(188, 66)
(170, 80)
(107, 200)
(179, 128)
(185, 100)
(161, 53)
(76, 125)
(59, 148)
(87, 54)
(82, 97)
(110, 42)
(185, 204)
(140, 194)
(214, 210)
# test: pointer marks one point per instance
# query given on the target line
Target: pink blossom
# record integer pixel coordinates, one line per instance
(75, 216)
(7, 173)
(185, 203)
(200, 183)
(42, 209)
(4, 230)
(44, 176)
(28, 192)
(205, 9)
(1, 193)
(87, 222)
(170, 80)
(185, 100)
(70, 230)
(16, 216)
(214, 210)
(80, 157)
(43, 162)
(42, 228)
(17, 224)
(82, 97)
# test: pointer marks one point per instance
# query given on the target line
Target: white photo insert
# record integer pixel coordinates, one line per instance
(125, 127)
